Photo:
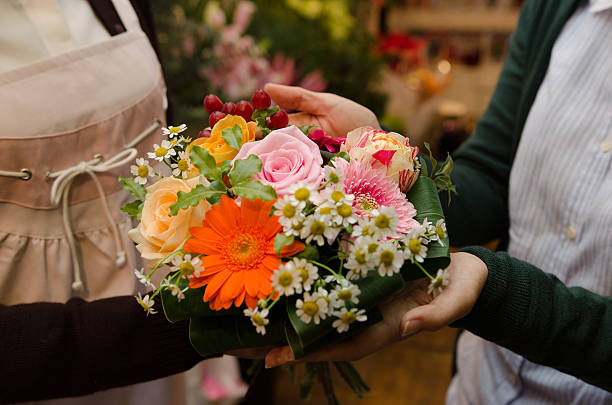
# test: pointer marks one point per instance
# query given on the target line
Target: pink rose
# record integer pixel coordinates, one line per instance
(288, 157)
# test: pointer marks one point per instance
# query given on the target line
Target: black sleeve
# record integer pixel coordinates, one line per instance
(535, 315)
(50, 350)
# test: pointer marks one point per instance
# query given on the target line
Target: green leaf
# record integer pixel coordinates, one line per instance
(225, 167)
(233, 137)
(306, 128)
(253, 189)
(423, 163)
(193, 198)
(216, 186)
(310, 253)
(344, 156)
(259, 114)
(133, 209)
(447, 166)
(244, 168)
(310, 372)
(434, 162)
(280, 241)
(137, 190)
(206, 163)
(352, 377)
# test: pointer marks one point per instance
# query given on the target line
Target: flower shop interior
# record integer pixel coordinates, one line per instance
(426, 68)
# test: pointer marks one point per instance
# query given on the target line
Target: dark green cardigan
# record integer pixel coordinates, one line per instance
(521, 307)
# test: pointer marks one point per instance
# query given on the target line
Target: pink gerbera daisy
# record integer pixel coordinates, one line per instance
(372, 189)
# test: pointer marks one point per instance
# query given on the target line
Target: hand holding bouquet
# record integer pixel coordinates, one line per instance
(273, 234)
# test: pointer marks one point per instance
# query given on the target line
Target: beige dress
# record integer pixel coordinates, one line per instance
(70, 124)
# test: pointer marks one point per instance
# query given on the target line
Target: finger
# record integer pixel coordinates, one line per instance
(427, 317)
(294, 98)
(303, 119)
(278, 356)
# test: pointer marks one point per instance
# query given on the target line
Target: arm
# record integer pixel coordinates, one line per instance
(51, 350)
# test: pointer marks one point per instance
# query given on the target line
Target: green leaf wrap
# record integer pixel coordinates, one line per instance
(205, 163)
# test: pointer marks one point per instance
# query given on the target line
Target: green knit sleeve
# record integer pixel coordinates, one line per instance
(535, 315)
(479, 212)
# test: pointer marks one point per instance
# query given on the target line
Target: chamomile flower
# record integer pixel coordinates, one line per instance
(160, 152)
(415, 242)
(259, 319)
(325, 297)
(182, 166)
(436, 286)
(188, 266)
(144, 279)
(347, 317)
(173, 132)
(142, 171)
(289, 210)
(345, 292)
(337, 195)
(333, 175)
(360, 261)
(146, 303)
(303, 193)
(311, 308)
(388, 259)
(176, 291)
(307, 273)
(363, 228)
(438, 232)
(318, 228)
(384, 222)
(286, 280)
(295, 229)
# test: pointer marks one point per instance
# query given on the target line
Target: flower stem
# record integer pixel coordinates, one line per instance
(325, 267)
(163, 261)
(423, 270)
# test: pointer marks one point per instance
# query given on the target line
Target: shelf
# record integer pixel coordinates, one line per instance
(471, 21)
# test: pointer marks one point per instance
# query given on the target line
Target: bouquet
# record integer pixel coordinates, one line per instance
(271, 234)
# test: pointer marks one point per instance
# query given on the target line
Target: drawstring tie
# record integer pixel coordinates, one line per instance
(60, 193)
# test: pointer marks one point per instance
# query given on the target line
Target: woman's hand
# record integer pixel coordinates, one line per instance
(412, 311)
(333, 114)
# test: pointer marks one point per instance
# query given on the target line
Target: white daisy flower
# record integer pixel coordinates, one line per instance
(436, 286)
(160, 152)
(384, 222)
(289, 210)
(307, 273)
(146, 303)
(172, 132)
(348, 317)
(303, 192)
(344, 215)
(318, 228)
(345, 292)
(335, 195)
(364, 227)
(258, 319)
(324, 296)
(142, 171)
(182, 166)
(144, 279)
(389, 259)
(415, 243)
(359, 260)
(295, 229)
(333, 175)
(438, 232)
(286, 280)
(176, 291)
(311, 308)
(188, 266)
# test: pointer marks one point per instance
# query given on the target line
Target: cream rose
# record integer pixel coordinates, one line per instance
(386, 150)
(159, 234)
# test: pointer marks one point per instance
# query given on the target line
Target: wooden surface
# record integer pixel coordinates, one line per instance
(416, 371)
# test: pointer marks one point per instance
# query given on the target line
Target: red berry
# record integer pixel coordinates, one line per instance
(279, 119)
(215, 117)
(244, 109)
(205, 133)
(261, 100)
(212, 103)
(229, 107)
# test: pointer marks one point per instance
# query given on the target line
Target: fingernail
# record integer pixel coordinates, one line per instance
(411, 327)
(278, 358)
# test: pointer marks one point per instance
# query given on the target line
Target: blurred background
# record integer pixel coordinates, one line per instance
(427, 68)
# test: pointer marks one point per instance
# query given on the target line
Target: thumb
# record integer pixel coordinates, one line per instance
(294, 98)
(428, 317)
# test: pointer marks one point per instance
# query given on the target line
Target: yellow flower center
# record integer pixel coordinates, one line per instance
(372, 247)
(161, 151)
(386, 257)
(382, 221)
(365, 231)
(289, 211)
(317, 228)
(186, 269)
(366, 203)
(143, 171)
(345, 295)
(303, 274)
(437, 282)
(414, 245)
(337, 196)
(174, 130)
(302, 194)
(333, 177)
(183, 165)
(360, 256)
(298, 226)
(440, 232)
(257, 320)
(348, 318)
(143, 304)
(245, 250)
(345, 210)
(285, 279)
(310, 308)
(325, 211)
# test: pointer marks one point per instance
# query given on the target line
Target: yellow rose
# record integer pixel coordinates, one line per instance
(216, 145)
(386, 150)
(159, 234)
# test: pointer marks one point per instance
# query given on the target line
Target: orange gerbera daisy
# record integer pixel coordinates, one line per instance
(239, 257)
